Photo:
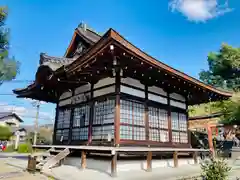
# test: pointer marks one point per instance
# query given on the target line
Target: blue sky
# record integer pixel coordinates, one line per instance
(179, 32)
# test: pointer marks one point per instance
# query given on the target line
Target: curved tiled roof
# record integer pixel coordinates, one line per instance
(59, 60)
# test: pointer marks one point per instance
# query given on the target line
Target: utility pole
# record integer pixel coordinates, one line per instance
(37, 104)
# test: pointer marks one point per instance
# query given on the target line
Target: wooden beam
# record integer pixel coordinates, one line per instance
(149, 161)
(83, 159)
(117, 111)
(114, 165)
(175, 159)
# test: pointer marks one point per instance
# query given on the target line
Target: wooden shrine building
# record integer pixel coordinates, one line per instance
(108, 92)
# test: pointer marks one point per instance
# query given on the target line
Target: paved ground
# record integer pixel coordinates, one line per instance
(73, 173)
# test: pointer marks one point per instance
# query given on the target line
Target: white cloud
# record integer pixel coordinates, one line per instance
(200, 10)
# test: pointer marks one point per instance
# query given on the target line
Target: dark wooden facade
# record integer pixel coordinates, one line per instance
(116, 95)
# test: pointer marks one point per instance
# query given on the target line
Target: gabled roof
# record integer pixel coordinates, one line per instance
(99, 44)
(86, 34)
(112, 37)
(9, 114)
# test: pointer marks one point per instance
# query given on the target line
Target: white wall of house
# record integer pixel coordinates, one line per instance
(14, 122)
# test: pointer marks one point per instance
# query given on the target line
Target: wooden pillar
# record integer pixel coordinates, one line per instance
(195, 157)
(55, 124)
(175, 159)
(189, 133)
(169, 118)
(146, 113)
(210, 141)
(117, 110)
(91, 104)
(149, 161)
(71, 121)
(114, 164)
(83, 159)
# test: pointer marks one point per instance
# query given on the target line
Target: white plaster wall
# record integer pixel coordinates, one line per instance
(157, 98)
(178, 104)
(66, 95)
(11, 120)
(177, 97)
(104, 82)
(82, 89)
(104, 91)
(133, 82)
(65, 102)
(157, 90)
(131, 91)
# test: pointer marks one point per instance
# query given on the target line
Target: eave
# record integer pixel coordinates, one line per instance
(35, 92)
(111, 37)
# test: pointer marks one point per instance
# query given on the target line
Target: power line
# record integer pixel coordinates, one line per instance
(19, 81)
(43, 118)
(7, 94)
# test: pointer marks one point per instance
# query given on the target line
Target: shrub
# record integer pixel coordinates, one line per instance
(215, 169)
(24, 148)
(9, 148)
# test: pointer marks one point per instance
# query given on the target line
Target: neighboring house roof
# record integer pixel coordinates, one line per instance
(17, 129)
(9, 114)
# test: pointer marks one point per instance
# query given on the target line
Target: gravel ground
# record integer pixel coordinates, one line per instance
(14, 173)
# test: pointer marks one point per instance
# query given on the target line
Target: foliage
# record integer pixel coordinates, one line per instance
(223, 73)
(215, 169)
(204, 109)
(9, 67)
(9, 148)
(44, 136)
(5, 133)
(224, 68)
(231, 110)
(24, 148)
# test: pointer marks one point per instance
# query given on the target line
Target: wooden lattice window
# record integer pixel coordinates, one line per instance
(104, 113)
(132, 120)
(179, 127)
(62, 135)
(81, 116)
(80, 133)
(158, 124)
(63, 119)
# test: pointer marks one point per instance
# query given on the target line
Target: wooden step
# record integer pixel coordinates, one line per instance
(56, 159)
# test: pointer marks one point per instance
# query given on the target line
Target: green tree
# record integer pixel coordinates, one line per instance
(44, 136)
(224, 73)
(224, 68)
(5, 133)
(9, 67)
